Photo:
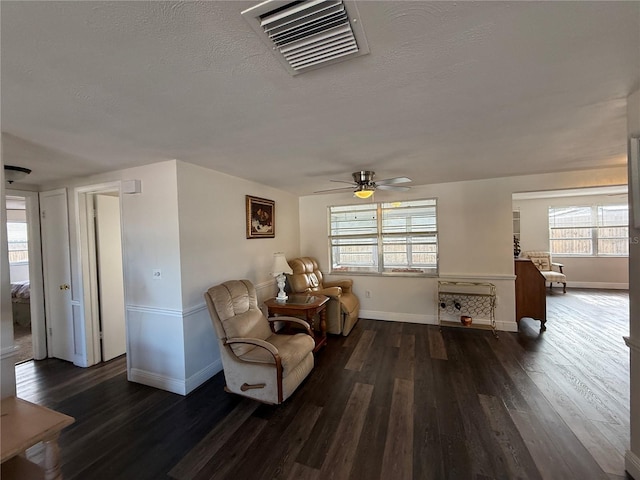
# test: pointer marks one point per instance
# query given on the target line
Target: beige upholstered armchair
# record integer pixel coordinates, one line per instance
(257, 363)
(552, 272)
(343, 307)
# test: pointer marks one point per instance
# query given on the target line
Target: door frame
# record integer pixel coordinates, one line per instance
(36, 279)
(86, 242)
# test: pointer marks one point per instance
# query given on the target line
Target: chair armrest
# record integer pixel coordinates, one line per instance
(559, 265)
(345, 284)
(333, 292)
(299, 321)
(254, 341)
(262, 344)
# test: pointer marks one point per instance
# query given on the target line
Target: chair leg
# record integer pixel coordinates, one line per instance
(564, 287)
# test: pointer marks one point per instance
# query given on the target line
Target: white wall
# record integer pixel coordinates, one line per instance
(214, 249)
(632, 458)
(475, 240)
(150, 241)
(7, 360)
(213, 243)
(583, 272)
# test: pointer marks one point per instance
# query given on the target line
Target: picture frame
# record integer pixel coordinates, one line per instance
(634, 180)
(261, 217)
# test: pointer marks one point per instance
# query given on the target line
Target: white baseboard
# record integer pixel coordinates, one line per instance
(470, 277)
(194, 381)
(9, 352)
(81, 361)
(506, 326)
(427, 319)
(598, 285)
(175, 385)
(632, 464)
(162, 382)
(399, 317)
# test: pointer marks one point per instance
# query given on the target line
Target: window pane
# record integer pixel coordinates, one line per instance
(572, 247)
(355, 258)
(354, 253)
(570, 217)
(354, 220)
(609, 246)
(614, 232)
(612, 215)
(409, 217)
(410, 252)
(17, 242)
(558, 233)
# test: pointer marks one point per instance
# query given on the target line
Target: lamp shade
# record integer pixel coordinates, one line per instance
(280, 265)
(363, 192)
(13, 173)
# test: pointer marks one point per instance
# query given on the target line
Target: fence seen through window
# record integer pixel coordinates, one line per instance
(385, 238)
(17, 242)
(589, 230)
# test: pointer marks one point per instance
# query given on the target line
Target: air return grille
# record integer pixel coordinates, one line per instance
(309, 34)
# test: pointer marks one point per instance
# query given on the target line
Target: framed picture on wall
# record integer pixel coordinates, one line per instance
(261, 217)
(634, 181)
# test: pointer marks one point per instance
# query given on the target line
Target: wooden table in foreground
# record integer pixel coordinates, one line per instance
(22, 425)
(306, 306)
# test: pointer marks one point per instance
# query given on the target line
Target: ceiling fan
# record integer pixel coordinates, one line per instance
(363, 184)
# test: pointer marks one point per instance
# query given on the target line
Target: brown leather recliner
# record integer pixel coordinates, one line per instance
(343, 307)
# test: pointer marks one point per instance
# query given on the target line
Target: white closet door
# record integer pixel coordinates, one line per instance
(110, 276)
(54, 225)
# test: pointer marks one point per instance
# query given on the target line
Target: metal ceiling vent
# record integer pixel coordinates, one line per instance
(309, 34)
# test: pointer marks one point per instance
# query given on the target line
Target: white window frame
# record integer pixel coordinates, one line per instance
(594, 228)
(376, 237)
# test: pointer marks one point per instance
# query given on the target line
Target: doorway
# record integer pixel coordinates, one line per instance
(584, 229)
(101, 255)
(25, 272)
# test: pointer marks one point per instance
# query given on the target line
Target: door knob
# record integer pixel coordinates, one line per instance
(65, 286)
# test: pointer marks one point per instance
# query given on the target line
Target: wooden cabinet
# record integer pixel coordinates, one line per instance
(531, 295)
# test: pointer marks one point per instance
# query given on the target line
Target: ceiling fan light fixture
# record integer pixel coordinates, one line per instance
(364, 192)
(13, 173)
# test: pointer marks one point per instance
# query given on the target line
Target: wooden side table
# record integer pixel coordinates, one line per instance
(303, 305)
(22, 425)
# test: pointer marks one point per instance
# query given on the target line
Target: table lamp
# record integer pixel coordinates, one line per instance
(280, 267)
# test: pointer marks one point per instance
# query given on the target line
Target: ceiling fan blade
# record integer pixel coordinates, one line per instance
(343, 181)
(392, 187)
(393, 181)
(341, 189)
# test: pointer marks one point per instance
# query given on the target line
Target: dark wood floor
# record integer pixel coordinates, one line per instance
(391, 401)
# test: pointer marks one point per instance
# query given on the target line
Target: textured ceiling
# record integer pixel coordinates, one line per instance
(450, 91)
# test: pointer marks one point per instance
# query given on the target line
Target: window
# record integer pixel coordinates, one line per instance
(596, 230)
(394, 238)
(17, 242)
